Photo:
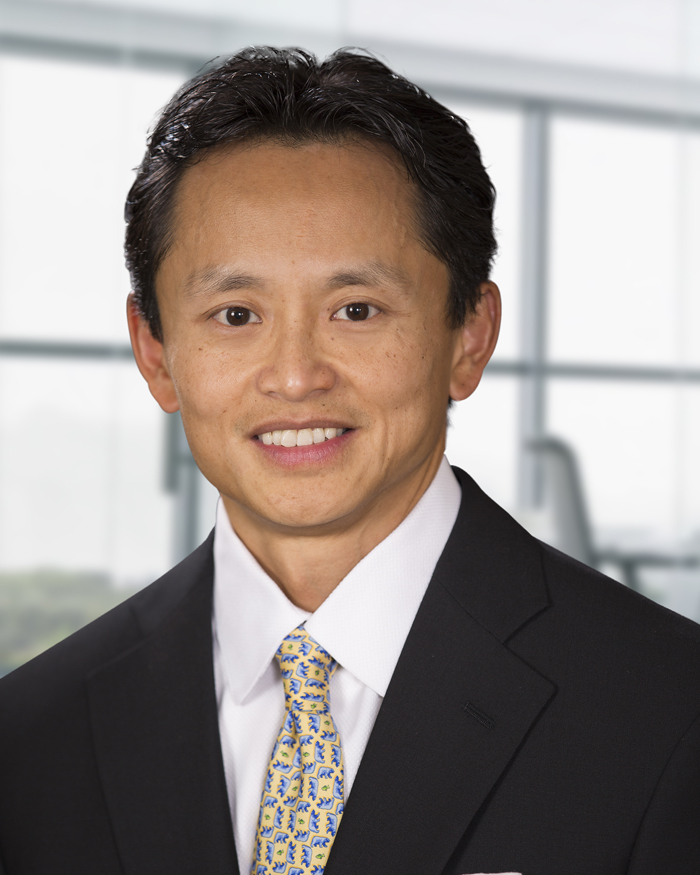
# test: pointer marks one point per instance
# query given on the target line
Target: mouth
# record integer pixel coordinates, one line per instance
(299, 437)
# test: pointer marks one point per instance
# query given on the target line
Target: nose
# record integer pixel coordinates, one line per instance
(296, 367)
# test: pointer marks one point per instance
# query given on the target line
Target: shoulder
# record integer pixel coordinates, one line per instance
(576, 626)
(590, 605)
(57, 677)
(625, 668)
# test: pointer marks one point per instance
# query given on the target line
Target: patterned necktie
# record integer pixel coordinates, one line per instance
(302, 800)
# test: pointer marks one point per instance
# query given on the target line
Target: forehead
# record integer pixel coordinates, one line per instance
(307, 170)
(319, 194)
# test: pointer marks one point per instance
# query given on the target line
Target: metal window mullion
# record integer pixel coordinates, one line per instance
(533, 313)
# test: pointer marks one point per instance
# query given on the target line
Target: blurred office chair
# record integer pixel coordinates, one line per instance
(563, 496)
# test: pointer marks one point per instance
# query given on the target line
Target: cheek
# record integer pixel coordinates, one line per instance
(407, 377)
(207, 385)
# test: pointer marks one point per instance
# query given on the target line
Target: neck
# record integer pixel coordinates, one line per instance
(307, 567)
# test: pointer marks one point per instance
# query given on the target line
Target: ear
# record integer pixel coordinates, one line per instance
(150, 359)
(476, 342)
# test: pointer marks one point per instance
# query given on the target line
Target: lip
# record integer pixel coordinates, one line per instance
(312, 455)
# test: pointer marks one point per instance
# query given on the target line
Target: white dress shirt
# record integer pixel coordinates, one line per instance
(363, 624)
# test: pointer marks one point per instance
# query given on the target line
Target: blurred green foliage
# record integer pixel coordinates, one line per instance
(40, 608)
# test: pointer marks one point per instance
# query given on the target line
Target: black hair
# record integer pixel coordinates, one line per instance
(289, 96)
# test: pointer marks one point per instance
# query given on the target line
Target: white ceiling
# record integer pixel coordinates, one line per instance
(652, 36)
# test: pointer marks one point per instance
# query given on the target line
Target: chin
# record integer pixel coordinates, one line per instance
(311, 518)
(276, 507)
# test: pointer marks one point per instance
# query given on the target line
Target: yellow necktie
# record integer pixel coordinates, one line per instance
(302, 800)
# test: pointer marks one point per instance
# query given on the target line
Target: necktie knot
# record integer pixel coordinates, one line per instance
(306, 672)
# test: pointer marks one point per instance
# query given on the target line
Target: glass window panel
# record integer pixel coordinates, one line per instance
(623, 263)
(84, 520)
(637, 448)
(676, 588)
(689, 251)
(499, 135)
(482, 438)
(70, 136)
(81, 470)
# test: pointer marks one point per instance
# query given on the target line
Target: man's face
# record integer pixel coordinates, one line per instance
(297, 297)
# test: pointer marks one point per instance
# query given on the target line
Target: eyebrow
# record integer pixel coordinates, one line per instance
(372, 274)
(213, 280)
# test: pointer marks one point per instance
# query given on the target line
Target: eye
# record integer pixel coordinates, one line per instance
(236, 316)
(356, 312)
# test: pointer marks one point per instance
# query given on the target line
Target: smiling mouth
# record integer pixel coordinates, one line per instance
(299, 437)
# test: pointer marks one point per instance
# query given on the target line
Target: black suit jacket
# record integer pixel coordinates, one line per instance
(541, 719)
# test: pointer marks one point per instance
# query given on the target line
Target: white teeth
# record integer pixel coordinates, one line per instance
(303, 437)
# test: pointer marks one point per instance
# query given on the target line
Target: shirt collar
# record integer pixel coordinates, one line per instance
(363, 623)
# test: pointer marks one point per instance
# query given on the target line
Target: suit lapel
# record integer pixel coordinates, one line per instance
(459, 706)
(155, 729)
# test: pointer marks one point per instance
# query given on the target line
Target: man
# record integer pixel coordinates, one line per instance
(369, 667)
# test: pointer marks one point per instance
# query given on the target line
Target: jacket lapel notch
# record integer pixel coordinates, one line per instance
(491, 565)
